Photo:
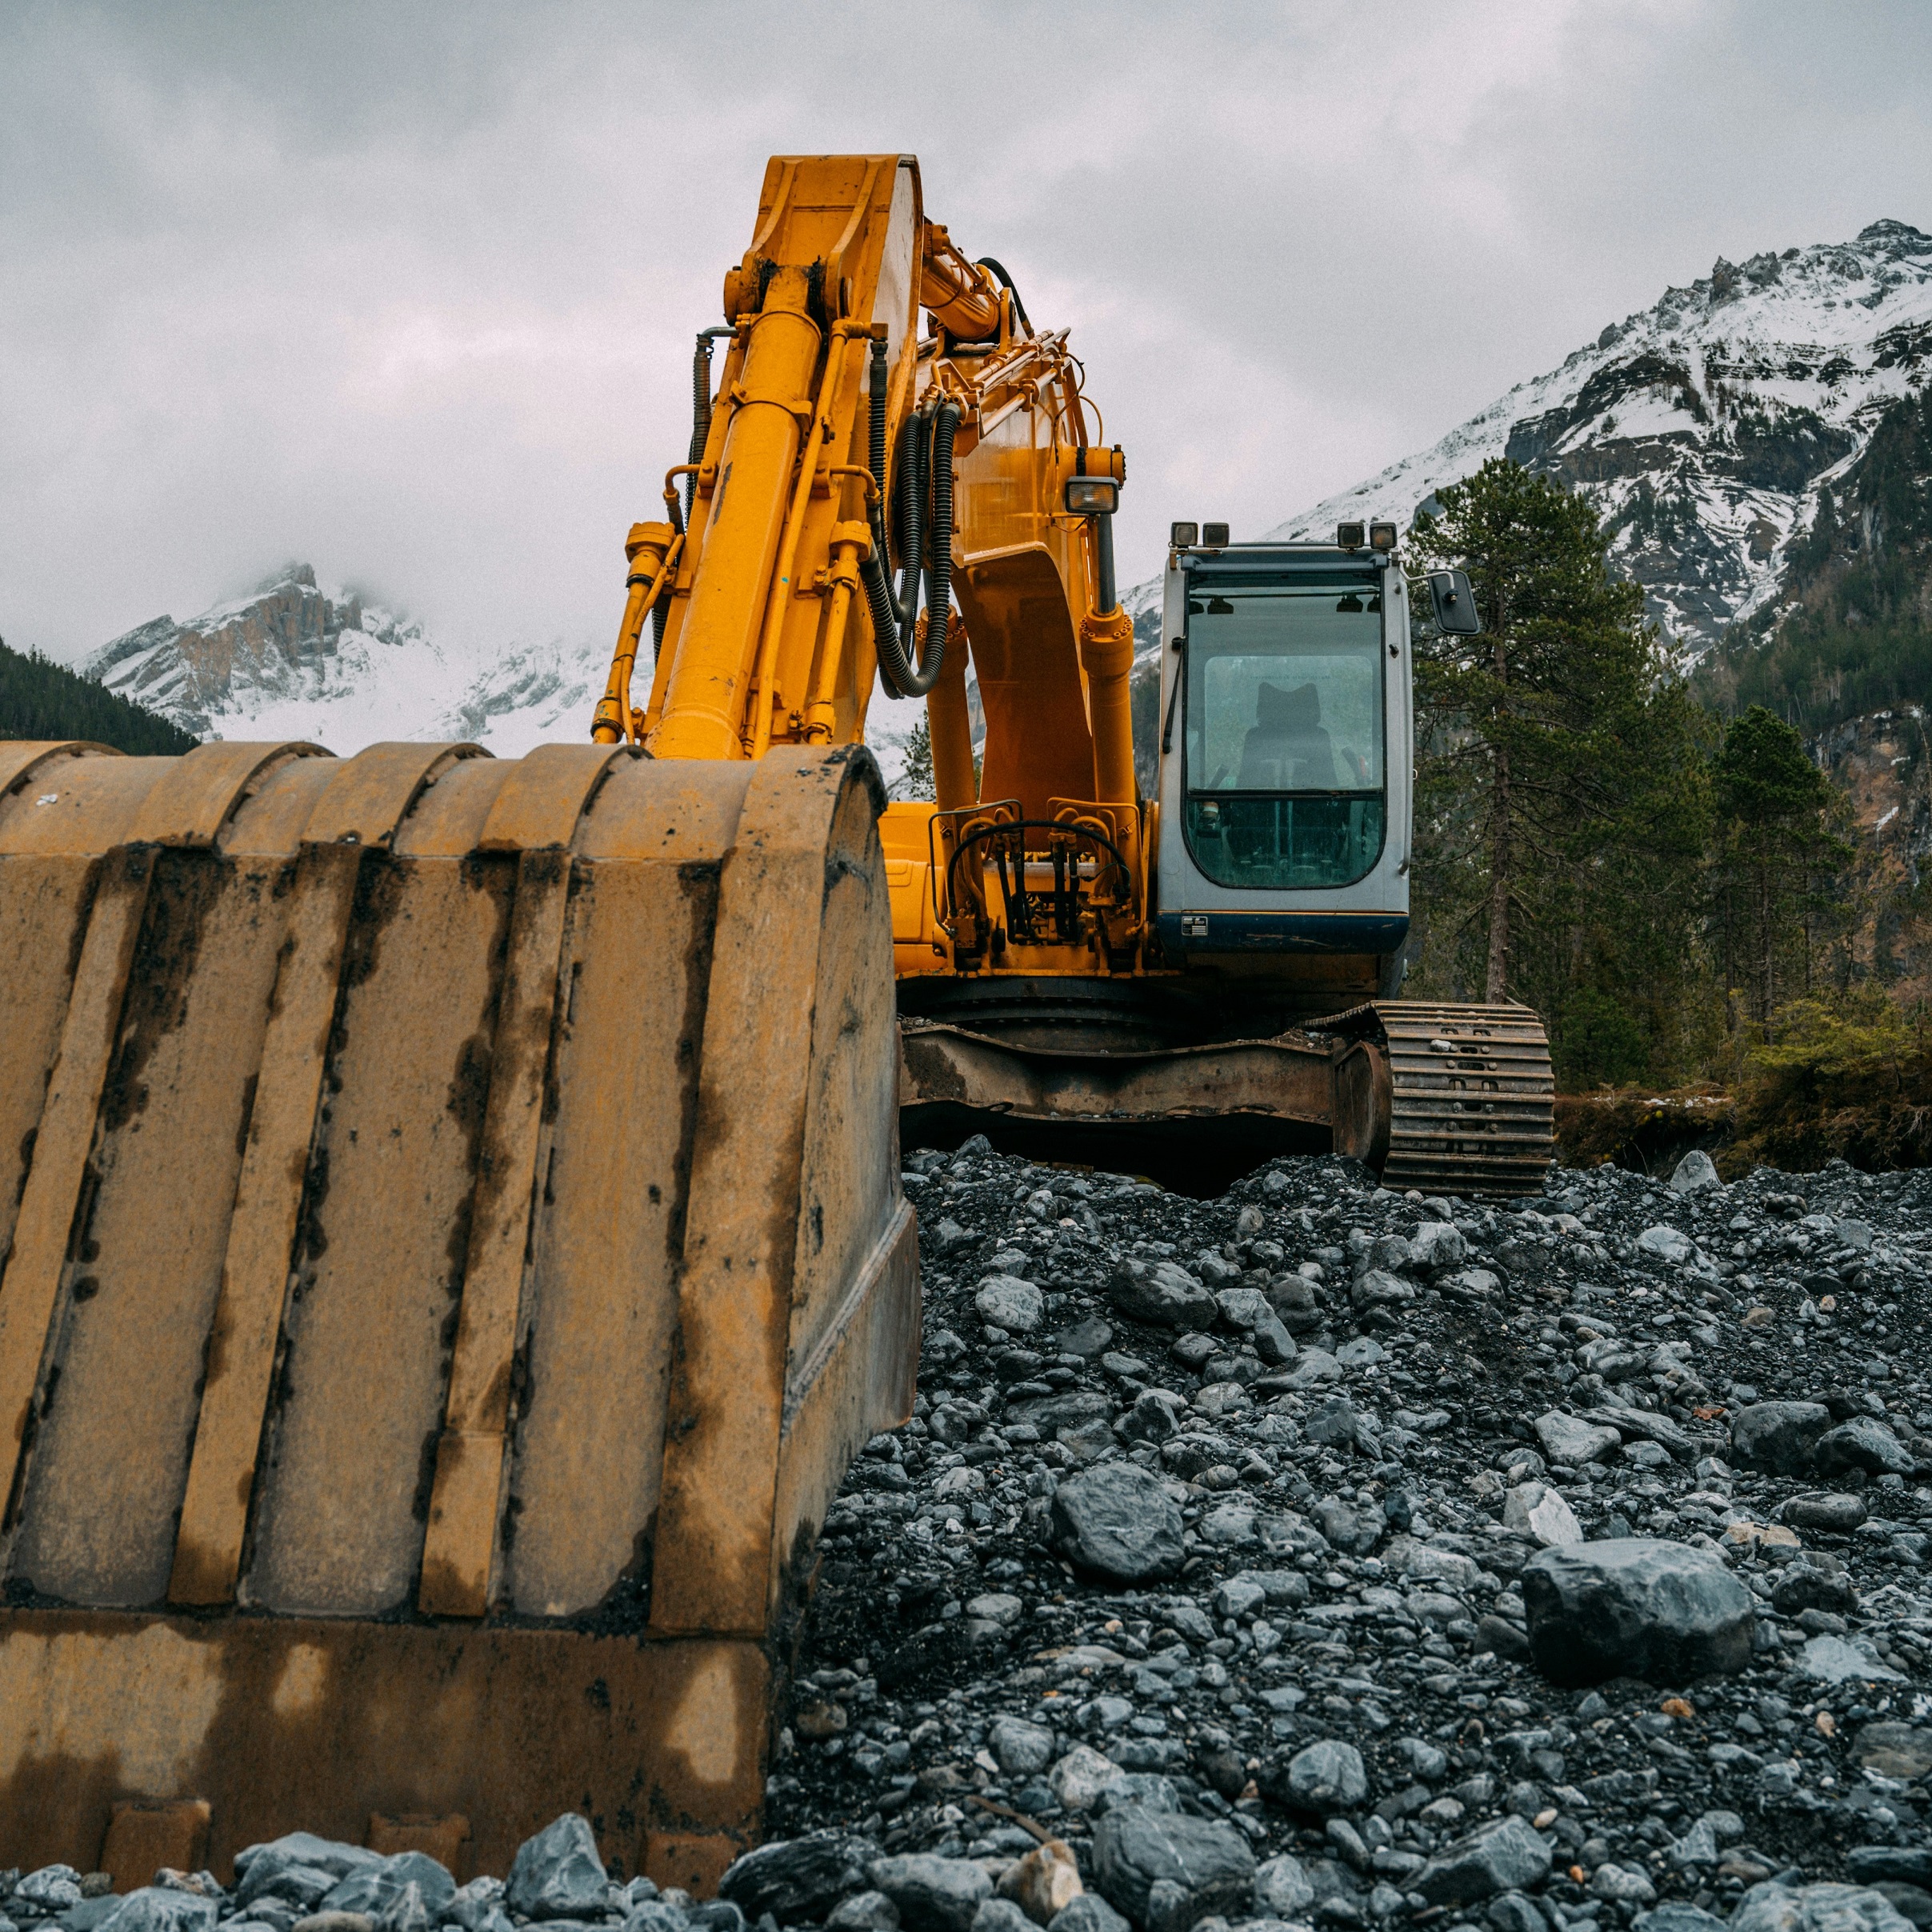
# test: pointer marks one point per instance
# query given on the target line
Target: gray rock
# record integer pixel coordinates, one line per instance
(1696, 1173)
(1838, 1660)
(1008, 1302)
(1698, 1846)
(1281, 1887)
(1665, 1243)
(1837, 1515)
(861, 1912)
(1777, 1437)
(1623, 1884)
(1160, 1292)
(1118, 1519)
(1154, 1418)
(1244, 1309)
(1913, 1902)
(796, 1879)
(1088, 1913)
(557, 1873)
(1864, 1442)
(1635, 1607)
(1020, 1749)
(331, 1855)
(1613, 1360)
(1438, 1244)
(1803, 1588)
(1506, 1856)
(654, 1915)
(1088, 1339)
(153, 1909)
(1240, 1596)
(1378, 1287)
(1334, 1423)
(375, 1889)
(932, 1894)
(1646, 1425)
(1538, 1512)
(1320, 1779)
(1909, 1864)
(303, 1886)
(1570, 1439)
(325, 1921)
(1000, 1915)
(1816, 1908)
(1165, 1870)
(298, 1867)
(1903, 1751)
(1674, 1915)
(1078, 1778)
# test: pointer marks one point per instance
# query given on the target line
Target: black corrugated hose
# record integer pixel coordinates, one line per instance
(925, 460)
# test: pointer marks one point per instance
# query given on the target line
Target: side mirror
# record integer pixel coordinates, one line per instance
(1454, 604)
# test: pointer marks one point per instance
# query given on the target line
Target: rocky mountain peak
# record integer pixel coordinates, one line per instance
(1704, 427)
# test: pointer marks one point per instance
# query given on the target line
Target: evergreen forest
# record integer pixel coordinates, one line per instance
(40, 699)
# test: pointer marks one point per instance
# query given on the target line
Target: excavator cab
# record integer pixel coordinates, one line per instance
(1286, 761)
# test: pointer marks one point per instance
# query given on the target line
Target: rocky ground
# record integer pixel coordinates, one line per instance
(1413, 1561)
(1323, 1556)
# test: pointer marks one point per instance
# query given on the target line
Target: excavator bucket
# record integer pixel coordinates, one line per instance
(453, 1246)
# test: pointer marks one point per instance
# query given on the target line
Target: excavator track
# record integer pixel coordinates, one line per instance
(1469, 1104)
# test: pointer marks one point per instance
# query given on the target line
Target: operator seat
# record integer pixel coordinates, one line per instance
(1288, 749)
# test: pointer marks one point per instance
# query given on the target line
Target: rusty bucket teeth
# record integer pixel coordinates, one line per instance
(453, 1246)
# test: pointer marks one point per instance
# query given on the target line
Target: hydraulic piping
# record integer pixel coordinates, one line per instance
(924, 545)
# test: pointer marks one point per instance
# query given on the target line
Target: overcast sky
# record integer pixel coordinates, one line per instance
(409, 291)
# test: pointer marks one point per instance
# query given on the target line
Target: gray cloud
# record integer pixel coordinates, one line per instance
(410, 291)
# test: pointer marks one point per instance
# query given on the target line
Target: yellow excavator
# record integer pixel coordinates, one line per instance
(452, 1231)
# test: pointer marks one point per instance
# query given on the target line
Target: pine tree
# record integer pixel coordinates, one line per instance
(1563, 808)
(916, 780)
(1777, 860)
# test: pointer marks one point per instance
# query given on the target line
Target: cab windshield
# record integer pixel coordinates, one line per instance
(1283, 765)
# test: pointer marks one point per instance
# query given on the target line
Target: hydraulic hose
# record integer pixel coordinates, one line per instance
(922, 542)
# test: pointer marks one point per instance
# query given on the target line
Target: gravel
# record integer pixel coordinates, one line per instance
(1272, 1483)
(1207, 1586)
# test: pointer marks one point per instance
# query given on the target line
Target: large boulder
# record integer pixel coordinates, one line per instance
(155, 1909)
(1119, 1520)
(796, 1880)
(1635, 1607)
(375, 1889)
(1696, 1173)
(1160, 1292)
(1505, 1856)
(1777, 1437)
(557, 1873)
(1165, 1870)
(1864, 1442)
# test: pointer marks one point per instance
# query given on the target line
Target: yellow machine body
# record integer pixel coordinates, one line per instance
(451, 1242)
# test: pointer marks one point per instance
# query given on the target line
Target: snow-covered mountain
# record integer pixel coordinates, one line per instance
(295, 659)
(1704, 427)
